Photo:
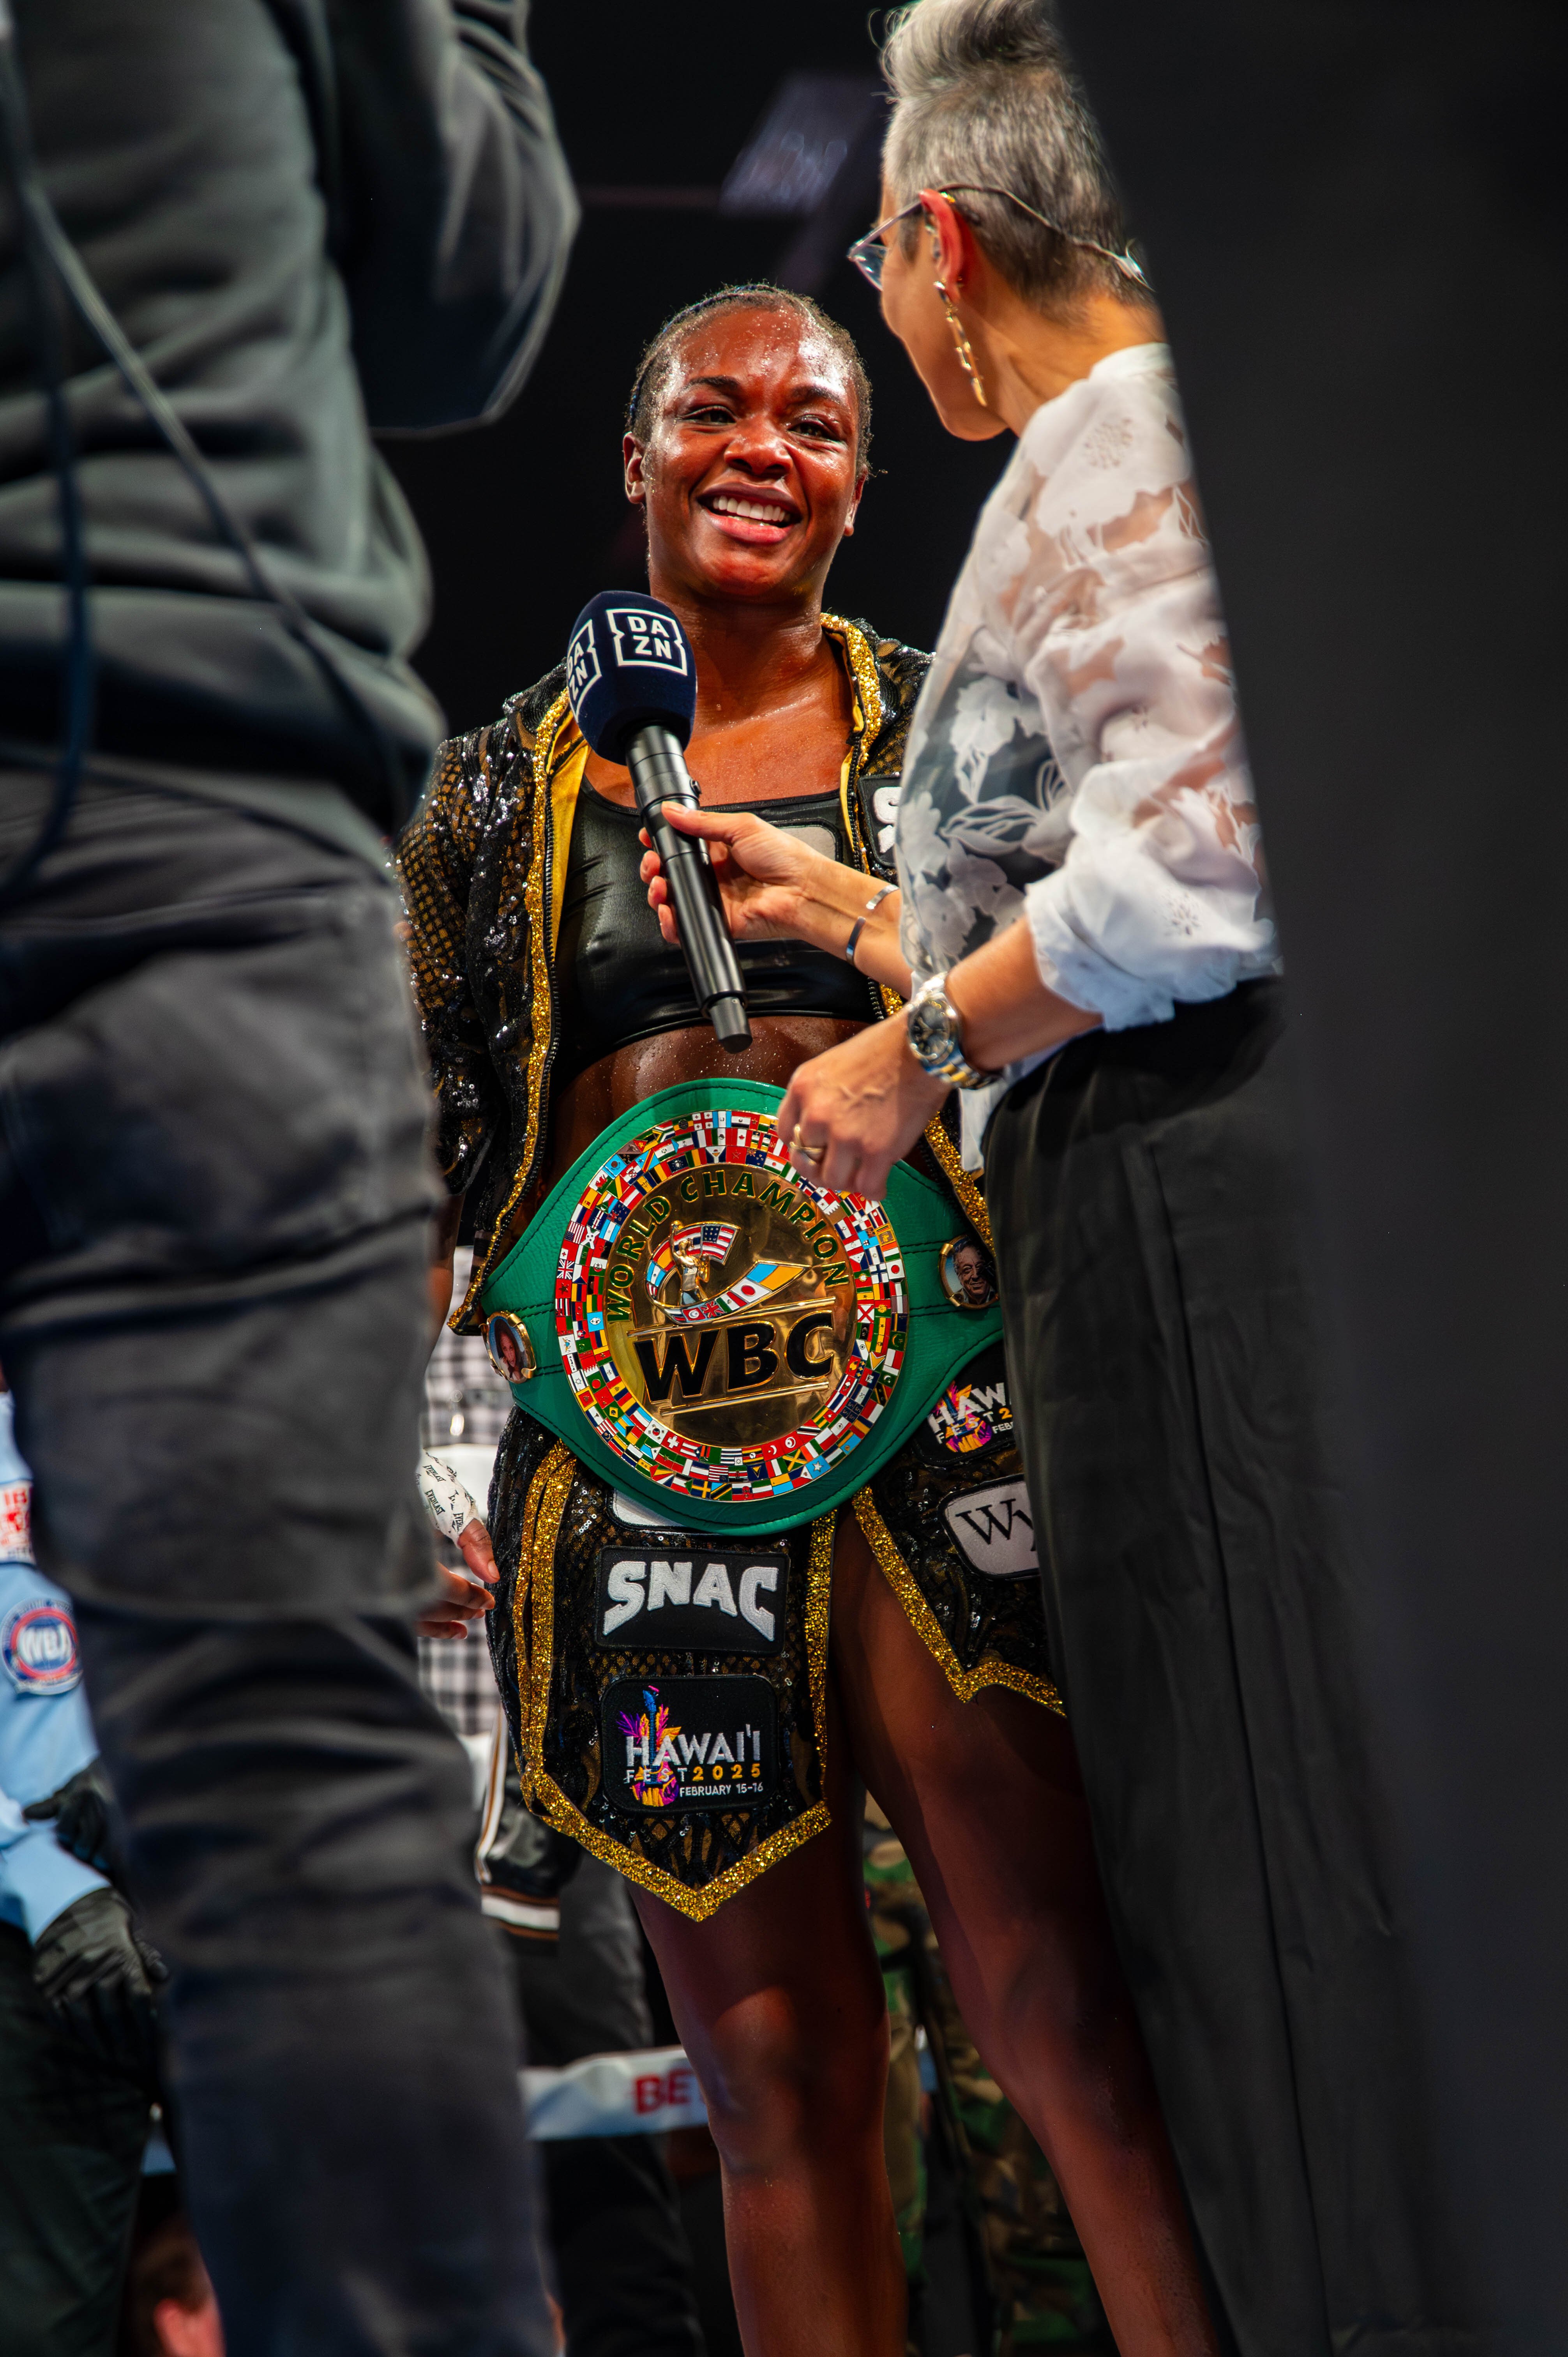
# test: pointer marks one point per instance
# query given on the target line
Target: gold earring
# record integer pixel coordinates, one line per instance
(966, 359)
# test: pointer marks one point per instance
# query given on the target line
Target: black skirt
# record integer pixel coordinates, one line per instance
(1201, 1601)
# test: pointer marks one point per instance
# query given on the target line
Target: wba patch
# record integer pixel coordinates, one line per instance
(994, 1530)
(973, 1417)
(707, 1600)
(38, 1648)
(690, 1743)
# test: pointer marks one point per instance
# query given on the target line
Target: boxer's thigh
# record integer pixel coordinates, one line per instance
(984, 1793)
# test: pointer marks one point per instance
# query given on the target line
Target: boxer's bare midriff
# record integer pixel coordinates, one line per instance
(588, 1103)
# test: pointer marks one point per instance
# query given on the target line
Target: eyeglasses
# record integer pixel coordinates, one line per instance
(868, 254)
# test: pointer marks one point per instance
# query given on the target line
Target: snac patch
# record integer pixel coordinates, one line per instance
(38, 1648)
(701, 1599)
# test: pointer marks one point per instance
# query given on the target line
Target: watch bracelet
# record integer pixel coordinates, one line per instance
(956, 1069)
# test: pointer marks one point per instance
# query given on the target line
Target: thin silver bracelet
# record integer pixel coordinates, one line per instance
(859, 927)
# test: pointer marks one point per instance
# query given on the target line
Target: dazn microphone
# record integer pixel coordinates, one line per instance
(632, 679)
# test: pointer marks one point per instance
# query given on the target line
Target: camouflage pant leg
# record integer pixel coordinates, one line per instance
(1044, 2294)
(1044, 2289)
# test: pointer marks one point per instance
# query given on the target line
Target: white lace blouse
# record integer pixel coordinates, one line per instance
(1077, 753)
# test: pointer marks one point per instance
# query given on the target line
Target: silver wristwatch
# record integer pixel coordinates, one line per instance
(934, 1042)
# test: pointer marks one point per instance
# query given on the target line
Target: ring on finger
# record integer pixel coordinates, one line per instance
(811, 1153)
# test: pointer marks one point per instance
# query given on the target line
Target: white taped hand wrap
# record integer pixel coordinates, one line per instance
(447, 1502)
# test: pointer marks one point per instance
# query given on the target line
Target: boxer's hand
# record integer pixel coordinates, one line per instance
(463, 1600)
(454, 1513)
(474, 1546)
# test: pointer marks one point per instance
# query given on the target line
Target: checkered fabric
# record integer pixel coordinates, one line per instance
(456, 1674)
(464, 1399)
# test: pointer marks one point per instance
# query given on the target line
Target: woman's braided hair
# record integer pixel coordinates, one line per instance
(757, 295)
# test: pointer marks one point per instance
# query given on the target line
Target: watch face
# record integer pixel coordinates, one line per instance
(930, 1030)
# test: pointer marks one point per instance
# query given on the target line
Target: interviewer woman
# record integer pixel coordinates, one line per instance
(1084, 917)
(864, 1643)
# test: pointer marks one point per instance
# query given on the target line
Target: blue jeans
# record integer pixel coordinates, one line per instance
(213, 1202)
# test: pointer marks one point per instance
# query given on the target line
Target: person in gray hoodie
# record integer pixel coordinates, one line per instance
(307, 218)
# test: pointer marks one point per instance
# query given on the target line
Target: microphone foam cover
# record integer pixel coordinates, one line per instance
(630, 665)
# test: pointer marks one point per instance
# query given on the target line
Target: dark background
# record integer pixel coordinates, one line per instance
(1357, 211)
(524, 519)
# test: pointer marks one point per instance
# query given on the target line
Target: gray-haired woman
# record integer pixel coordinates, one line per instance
(1084, 928)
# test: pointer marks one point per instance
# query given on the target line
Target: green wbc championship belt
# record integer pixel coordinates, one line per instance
(729, 1345)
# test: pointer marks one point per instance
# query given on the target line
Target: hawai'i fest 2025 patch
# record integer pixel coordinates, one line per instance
(690, 1743)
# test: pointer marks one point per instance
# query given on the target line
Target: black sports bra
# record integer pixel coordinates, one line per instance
(617, 977)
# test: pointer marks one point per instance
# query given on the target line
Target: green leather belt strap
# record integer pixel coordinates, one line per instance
(940, 1338)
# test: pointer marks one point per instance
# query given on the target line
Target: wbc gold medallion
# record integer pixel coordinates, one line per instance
(730, 1329)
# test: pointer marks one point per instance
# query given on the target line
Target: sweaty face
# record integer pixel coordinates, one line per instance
(750, 475)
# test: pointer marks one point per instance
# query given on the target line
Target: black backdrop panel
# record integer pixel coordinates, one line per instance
(1357, 216)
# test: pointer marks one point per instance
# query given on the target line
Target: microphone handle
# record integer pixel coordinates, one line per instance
(659, 775)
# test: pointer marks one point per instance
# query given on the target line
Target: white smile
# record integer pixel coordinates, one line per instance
(749, 510)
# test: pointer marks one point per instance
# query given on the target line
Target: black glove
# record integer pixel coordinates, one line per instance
(85, 1821)
(97, 1978)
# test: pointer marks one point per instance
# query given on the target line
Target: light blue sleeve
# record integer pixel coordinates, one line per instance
(39, 1880)
(45, 1735)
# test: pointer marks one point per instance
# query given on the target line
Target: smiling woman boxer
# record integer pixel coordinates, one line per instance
(678, 1700)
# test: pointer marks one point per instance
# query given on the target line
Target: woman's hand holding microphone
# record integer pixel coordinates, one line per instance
(848, 1116)
(777, 889)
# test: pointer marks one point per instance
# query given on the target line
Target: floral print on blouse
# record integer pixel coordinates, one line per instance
(1076, 754)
